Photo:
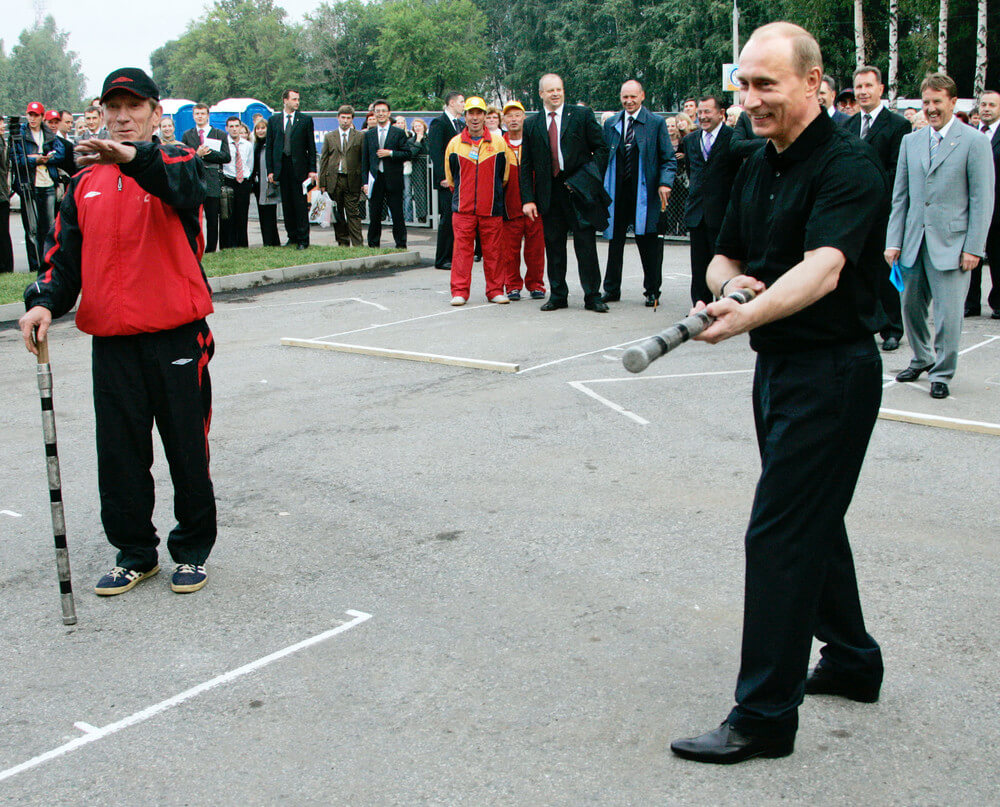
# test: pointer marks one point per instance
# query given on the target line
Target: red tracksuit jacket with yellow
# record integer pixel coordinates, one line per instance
(129, 238)
(477, 172)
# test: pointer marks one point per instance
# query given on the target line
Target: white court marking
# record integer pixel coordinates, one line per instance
(309, 302)
(92, 734)
(986, 341)
(10, 513)
(455, 310)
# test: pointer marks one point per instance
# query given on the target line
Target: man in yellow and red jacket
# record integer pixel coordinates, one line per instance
(476, 167)
(128, 235)
(517, 227)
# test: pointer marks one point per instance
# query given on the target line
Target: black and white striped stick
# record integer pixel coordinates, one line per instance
(55, 484)
(638, 357)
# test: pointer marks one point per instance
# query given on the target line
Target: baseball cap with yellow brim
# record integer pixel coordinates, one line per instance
(475, 102)
(513, 105)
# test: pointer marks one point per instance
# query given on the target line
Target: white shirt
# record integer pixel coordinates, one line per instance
(874, 113)
(943, 131)
(992, 130)
(548, 120)
(246, 154)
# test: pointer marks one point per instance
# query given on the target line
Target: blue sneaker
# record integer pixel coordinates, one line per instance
(121, 579)
(513, 296)
(538, 295)
(187, 578)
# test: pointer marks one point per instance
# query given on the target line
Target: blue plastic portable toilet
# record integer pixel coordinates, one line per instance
(182, 112)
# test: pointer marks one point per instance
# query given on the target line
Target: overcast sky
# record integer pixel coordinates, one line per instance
(114, 33)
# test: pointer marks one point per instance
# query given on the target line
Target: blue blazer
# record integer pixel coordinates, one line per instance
(657, 166)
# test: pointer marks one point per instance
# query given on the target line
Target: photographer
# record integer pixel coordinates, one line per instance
(38, 154)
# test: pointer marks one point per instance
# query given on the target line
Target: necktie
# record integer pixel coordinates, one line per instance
(239, 162)
(381, 144)
(866, 125)
(936, 138)
(629, 140)
(459, 125)
(985, 129)
(288, 136)
(554, 143)
(201, 136)
(706, 145)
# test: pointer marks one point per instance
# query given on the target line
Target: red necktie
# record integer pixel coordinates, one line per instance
(554, 143)
(239, 163)
(201, 136)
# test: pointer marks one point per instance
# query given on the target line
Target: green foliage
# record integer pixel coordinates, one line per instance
(338, 61)
(41, 68)
(427, 47)
(239, 48)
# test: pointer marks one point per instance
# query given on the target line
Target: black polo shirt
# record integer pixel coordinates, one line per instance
(827, 189)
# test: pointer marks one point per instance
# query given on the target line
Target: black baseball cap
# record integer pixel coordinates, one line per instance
(133, 80)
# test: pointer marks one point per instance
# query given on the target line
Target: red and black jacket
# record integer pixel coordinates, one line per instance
(129, 238)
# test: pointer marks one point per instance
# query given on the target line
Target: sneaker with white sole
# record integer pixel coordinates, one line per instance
(458, 300)
(499, 299)
(121, 579)
(187, 578)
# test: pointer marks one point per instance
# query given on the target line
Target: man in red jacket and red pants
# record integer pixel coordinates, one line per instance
(517, 227)
(128, 235)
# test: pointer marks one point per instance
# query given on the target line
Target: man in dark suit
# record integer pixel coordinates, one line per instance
(712, 167)
(340, 176)
(383, 153)
(214, 155)
(291, 156)
(989, 120)
(883, 131)
(443, 128)
(639, 177)
(827, 97)
(559, 142)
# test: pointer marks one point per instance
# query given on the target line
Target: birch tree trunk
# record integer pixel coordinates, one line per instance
(859, 34)
(893, 52)
(979, 83)
(943, 38)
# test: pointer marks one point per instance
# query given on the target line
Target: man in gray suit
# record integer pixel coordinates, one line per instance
(942, 203)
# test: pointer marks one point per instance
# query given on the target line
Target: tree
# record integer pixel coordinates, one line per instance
(893, 52)
(859, 34)
(338, 57)
(238, 48)
(979, 82)
(42, 68)
(426, 47)
(942, 65)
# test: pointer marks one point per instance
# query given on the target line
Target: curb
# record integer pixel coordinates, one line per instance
(11, 312)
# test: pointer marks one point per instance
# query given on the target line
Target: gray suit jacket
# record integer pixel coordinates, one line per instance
(948, 202)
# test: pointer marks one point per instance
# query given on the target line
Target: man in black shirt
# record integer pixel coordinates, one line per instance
(803, 231)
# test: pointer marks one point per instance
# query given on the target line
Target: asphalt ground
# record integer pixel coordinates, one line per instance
(554, 587)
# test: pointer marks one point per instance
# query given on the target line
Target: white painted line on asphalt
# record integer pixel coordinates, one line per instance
(93, 734)
(307, 302)
(454, 310)
(406, 355)
(938, 421)
(986, 341)
(580, 355)
(10, 513)
(581, 385)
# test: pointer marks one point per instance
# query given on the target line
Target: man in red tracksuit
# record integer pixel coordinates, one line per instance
(128, 235)
(476, 166)
(516, 226)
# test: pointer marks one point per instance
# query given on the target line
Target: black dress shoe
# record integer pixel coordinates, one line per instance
(651, 300)
(912, 373)
(995, 314)
(553, 305)
(824, 680)
(611, 298)
(972, 312)
(302, 246)
(890, 343)
(726, 746)
(598, 306)
(939, 389)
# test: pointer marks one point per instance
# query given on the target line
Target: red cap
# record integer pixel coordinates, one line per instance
(36, 107)
(53, 114)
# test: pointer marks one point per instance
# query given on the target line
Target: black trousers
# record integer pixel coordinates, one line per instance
(140, 380)
(814, 413)
(703, 240)
(212, 208)
(6, 247)
(268, 217)
(234, 229)
(295, 208)
(45, 216)
(650, 248)
(557, 222)
(445, 236)
(394, 196)
(973, 300)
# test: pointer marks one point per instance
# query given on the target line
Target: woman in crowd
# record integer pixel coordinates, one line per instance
(266, 193)
(399, 121)
(167, 133)
(672, 220)
(418, 179)
(493, 120)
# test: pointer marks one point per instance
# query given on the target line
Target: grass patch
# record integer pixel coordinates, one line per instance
(227, 262)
